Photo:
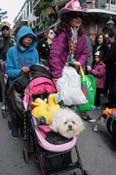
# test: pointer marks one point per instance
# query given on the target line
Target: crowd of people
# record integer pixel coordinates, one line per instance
(68, 41)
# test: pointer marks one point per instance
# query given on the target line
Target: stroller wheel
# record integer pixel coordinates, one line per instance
(114, 132)
(109, 125)
(25, 155)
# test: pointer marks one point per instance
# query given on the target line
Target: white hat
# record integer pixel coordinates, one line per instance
(97, 53)
(5, 24)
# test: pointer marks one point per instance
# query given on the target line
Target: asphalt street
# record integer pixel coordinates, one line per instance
(97, 152)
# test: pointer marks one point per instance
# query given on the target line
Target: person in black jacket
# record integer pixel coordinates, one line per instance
(101, 45)
(111, 69)
(6, 41)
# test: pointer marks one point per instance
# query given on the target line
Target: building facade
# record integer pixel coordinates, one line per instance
(41, 14)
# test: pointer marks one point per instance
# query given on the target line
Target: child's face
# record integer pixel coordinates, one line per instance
(27, 41)
(97, 58)
(51, 34)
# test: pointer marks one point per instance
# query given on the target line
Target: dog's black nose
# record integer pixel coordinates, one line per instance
(70, 127)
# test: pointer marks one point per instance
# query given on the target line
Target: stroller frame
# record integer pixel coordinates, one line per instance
(4, 81)
(44, 158)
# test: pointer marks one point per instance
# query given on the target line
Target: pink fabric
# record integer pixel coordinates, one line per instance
(38, 85)
(99, 71)
(41, 85)
(48, 146)
(54, 148)
(44, 129)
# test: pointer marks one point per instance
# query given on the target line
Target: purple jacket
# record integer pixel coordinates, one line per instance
(99, 71)
(60, 49)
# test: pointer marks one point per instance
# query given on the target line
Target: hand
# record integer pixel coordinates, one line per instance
(25, 69)
(89, 68)
(77, 63)
(55, 80)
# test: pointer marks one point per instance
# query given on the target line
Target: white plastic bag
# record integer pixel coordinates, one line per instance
(70, 87)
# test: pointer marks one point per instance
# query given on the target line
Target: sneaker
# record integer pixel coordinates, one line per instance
(97, 107)
(15, 133)
(15, 137)
(3, 107)
(85, 116)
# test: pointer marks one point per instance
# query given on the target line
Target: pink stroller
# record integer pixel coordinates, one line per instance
(51, 150)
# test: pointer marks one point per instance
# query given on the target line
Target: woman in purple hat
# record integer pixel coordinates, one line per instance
(70, 42)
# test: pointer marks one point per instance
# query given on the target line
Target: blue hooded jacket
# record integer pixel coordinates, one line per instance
(17, 56)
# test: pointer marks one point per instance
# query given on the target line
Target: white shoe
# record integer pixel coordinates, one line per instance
(3, 107)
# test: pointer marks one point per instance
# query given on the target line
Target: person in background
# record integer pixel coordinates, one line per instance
(6, 41)
(45, 44)
(111, 69)
(101, 44)
(99, 71)
(70, 42)
(19, 59)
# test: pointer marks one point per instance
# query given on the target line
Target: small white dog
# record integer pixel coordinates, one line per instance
(67, 123)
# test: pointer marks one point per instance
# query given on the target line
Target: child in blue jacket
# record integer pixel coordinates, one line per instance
(19, 58)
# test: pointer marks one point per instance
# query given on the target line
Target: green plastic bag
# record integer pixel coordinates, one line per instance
(88, 85)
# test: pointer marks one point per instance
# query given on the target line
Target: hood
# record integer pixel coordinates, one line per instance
(23, 31)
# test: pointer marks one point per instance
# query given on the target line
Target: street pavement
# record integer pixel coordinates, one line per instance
(97, 152)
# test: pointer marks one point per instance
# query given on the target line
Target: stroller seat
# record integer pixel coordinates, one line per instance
(52, 141)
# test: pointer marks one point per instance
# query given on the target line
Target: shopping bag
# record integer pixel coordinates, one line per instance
(88, 86)
(69, 86)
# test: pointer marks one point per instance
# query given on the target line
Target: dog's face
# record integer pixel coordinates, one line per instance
(67, 123)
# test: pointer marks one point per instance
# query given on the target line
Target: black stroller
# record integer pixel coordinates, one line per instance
(111, 127)
(52, 151)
